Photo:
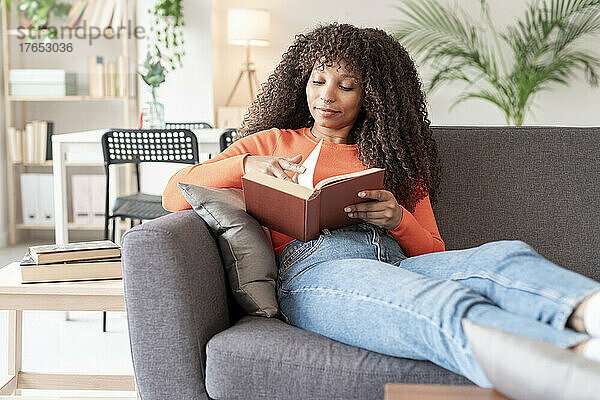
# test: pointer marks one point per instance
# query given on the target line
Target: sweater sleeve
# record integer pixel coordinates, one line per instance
(418, 233)
(225, 170)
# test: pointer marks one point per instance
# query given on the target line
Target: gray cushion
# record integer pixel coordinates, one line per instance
(530, 369)
(535, 184)
(267, 358)
(246, 250)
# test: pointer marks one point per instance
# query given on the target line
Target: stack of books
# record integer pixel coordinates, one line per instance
(42, 82)
(84, 261)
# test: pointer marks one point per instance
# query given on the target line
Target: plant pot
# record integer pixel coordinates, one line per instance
(23, 21)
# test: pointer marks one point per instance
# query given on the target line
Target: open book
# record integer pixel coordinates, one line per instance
(302, 212)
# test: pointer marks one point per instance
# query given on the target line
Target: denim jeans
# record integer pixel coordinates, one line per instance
(356, 286)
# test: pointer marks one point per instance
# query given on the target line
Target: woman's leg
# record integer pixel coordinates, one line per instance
(390, 310)
(513, 276)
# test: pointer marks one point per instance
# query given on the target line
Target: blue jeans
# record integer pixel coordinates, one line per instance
(356, 286)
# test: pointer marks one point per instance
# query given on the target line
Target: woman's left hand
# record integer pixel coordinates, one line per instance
(384, 212)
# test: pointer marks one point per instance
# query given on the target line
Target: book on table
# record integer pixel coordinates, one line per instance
(74, 251)
(302, 212)
(78, 270)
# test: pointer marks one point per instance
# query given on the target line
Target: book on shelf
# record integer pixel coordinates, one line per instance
(94, 269)
(106, 14)
(75, 13)
(302, 212)
(36, 142)
(106, 79)
(15, 144)
(117, 19)
(99, 249)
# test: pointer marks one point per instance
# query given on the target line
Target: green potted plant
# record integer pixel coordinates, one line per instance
(545, 47)
(34, 15)
(153, 74)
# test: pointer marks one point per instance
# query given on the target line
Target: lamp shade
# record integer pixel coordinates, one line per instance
(248, 26)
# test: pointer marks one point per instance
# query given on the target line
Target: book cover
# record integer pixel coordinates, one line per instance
(46, 254)
(301, 212)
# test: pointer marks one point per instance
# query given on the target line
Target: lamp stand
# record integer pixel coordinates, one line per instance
(248, 68)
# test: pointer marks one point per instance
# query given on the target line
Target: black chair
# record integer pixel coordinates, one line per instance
(226, 138)
(188, 125)
(135, 146)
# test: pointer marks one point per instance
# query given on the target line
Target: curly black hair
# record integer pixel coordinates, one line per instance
(392, 128)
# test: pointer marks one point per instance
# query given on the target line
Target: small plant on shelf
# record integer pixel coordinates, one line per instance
(35, 14)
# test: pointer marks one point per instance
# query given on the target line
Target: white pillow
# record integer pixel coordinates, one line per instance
(530, 369)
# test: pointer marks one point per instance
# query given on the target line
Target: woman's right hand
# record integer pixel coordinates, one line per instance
(274, 166)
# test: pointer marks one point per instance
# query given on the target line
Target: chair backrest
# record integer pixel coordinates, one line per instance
(134, 146)
(188, 125)
(226, 138)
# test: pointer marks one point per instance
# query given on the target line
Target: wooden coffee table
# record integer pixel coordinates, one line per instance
(401, 391)
(69, 296)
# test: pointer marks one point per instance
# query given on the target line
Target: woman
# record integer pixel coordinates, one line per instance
(386, 284)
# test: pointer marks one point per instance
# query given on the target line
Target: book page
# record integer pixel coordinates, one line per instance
(306, 178)
(338, 178)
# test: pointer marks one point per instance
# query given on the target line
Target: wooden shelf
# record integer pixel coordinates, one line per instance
(66, 98)
(51, 227)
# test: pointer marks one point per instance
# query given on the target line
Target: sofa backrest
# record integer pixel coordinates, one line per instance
(535, 184)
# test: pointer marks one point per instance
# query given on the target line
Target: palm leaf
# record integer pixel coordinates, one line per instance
(543, 44)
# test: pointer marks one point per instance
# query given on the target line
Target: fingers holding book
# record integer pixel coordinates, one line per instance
(274, 166)
(384, 211)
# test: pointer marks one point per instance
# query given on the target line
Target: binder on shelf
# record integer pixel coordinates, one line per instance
(29, 195)
(80, 199)
(37, 201)
(98, 194)
(46, 199)
(87, 199)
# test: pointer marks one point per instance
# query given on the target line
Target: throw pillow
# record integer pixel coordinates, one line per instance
(247, 252)
(525, 368)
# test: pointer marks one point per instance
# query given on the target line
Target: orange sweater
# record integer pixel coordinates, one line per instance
(417, 233)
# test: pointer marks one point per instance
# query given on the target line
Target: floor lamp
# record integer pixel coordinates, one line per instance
(247, 27)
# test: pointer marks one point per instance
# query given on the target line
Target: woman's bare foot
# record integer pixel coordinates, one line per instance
(575, 321)
(586, 316)
(578, 348)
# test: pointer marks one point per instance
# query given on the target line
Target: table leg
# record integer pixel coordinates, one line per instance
(59, 173)
(15, 348)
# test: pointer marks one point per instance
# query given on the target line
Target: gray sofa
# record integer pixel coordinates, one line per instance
(190, 340)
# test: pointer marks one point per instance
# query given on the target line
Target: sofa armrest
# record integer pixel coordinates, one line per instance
(176, 300)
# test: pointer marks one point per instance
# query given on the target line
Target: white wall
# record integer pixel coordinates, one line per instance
(187, 93)
(576, 105)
